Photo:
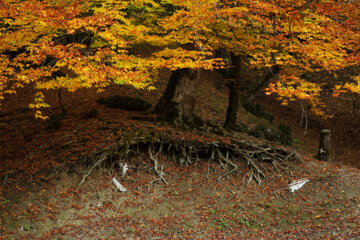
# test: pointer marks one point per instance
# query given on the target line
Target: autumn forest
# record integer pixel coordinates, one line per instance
(177, 119)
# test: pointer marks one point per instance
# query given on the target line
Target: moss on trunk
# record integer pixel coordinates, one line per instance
(177, 103)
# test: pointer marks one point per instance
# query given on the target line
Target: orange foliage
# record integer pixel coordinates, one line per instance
(93, 41)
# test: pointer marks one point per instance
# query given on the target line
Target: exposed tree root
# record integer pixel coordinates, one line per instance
(154, 159)
(230, 152)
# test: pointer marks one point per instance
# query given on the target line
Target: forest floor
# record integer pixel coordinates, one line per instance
(41, 166)
(191, 206)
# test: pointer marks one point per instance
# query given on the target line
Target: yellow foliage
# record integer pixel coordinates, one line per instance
(95, 41)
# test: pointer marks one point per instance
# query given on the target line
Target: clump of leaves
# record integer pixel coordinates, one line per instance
(3, 201)
(87, 114)
(244, 221)
(124, 102)
(27, 227)
(222, 224)
(258, 111)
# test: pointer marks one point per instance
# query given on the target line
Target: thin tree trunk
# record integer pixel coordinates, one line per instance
(235, 98)
(177, 103)
(239, 65)
(63, 109)
(233, 105)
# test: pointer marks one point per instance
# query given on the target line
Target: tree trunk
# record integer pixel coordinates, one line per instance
(235, 99)
(324, 146)
(233, 105)
(177, 103)
(239, 67)
(63, 109)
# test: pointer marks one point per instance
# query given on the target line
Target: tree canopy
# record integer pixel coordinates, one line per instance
(74, 44)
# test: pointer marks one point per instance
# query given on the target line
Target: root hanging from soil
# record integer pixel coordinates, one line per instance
(160, 172)
(232, 153)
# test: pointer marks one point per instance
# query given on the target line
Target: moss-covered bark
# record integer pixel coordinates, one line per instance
(177, 103)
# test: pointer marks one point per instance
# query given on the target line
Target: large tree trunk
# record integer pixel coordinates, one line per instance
(177, 103)
(239, 68)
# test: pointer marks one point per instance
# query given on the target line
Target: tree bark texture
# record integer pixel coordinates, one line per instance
(233, 105)
(177, 103)
(324, 146)
(63, 109)
(239, 68)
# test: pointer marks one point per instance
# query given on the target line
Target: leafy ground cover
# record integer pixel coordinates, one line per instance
(192, 206)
